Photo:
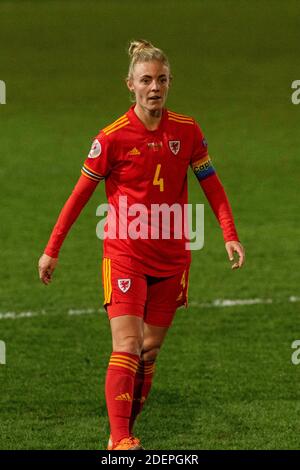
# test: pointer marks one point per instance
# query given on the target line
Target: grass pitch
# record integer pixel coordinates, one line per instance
(224, 376)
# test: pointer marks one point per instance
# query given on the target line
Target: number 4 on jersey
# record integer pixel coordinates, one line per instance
(156, 180)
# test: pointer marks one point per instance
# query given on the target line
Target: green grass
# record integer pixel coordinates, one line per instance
(224, 377)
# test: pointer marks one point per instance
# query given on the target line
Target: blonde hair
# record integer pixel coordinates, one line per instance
(144, 51)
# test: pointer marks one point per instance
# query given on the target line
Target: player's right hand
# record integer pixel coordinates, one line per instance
(46, 268)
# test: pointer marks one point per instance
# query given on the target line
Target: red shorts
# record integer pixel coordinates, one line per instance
(155, 299)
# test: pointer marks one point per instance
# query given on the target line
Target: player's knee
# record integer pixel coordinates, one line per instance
(150, 354)
(129, 344)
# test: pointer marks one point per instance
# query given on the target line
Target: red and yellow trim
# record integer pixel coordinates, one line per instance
(91, 174)
(187, 293)
(180, 118)
(118, 124)
(184, 283)
(149, 368)
(126, 362)
(106, 276)
(146, 368)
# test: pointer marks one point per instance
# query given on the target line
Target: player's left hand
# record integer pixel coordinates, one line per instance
(232, 248)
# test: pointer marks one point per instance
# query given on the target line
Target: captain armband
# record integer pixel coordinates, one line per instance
(203, 168)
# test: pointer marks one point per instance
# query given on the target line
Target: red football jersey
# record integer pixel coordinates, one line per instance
(148, 167)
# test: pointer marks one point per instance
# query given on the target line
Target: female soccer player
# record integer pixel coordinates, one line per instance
(143, 157)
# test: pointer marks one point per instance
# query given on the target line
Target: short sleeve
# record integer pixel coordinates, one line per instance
(200, 161)
(98, 163)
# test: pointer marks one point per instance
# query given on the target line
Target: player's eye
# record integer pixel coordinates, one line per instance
(163, 81)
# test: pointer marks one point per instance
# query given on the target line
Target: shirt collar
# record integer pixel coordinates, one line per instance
(137, 122)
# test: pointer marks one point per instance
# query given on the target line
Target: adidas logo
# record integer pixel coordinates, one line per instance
(124, 397)
(134, 151)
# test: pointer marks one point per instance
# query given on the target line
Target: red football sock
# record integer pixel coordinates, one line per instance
(119, 388)
(142, 386)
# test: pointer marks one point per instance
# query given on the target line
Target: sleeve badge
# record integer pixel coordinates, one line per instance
(95, 149)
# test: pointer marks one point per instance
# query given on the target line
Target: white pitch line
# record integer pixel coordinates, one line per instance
(217, 303)
(15, 316)
(230, 303)
(86, 311)
(83, 311)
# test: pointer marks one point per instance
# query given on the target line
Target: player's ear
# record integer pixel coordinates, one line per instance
(129, 85)
(170, 79)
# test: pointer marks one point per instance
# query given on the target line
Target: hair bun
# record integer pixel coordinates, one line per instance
(137, 46)
(143, 51)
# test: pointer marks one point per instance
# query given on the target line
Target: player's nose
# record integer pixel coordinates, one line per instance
(155, 85)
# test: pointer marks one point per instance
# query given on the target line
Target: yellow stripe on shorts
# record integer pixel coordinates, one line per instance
(107, 280)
